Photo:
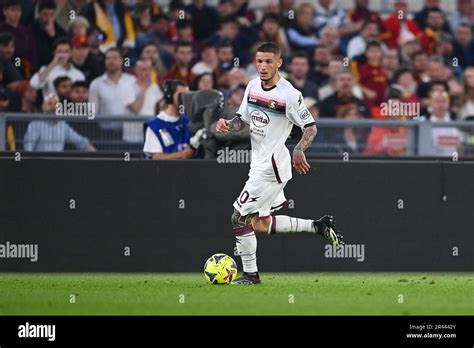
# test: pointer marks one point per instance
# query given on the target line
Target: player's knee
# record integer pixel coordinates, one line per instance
(260, 225)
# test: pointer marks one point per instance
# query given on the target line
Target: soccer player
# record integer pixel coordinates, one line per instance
(271, 105)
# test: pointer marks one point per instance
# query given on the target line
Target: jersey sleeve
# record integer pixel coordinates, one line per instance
(243, 109)
(297, 112)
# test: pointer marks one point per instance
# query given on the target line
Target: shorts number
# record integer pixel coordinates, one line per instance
(244, 197)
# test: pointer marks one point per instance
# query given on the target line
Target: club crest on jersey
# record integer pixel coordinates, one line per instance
(259, 118)
(272, 104)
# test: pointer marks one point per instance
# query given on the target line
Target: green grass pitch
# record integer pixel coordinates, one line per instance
(279, 294)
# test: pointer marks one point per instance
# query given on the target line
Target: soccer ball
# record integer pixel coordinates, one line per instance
(220, 269)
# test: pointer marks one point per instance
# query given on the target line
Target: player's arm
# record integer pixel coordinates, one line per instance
(299, 159)
(233, 125)
(298, 114)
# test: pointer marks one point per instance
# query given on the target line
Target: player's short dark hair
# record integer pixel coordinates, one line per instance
(6, 38)
(78, 84)
(270, 47)
(11, 3)
(298, 54)
(46, 4)
(63, 40)
(58, 80)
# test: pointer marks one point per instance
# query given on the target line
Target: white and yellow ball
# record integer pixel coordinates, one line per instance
(220, 269)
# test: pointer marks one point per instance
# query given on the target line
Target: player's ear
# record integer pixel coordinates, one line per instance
(280, 62)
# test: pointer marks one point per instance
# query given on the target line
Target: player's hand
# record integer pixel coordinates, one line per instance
(299, 162)
(222, 126)
(188, 152)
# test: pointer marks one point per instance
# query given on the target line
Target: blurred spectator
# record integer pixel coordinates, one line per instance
(46, 31)
(150, 51)
(245, 15)
(184, 33)
(419, 66)
(113, 19)
(343, 95)
(321, 58)
(463, 15)
(405, 82)
(7, 51)
(158, 34)
(464, 45)
(167, 135)
(147, 95)
(421, 17)
(298, 67)
(446, 140)
(63, 88)
(361, 13)
(330, 38)
(372, 77)
(407, 50)
(239, 36)
(236, 95)
(434, 73)
(389, 140)
(78, 26)
(435, 25)
(25, 46)
(4, 99)
(28, 97)
(349, 139)
(112, 93)
(94, 38)
(204, 19)
(142, 15)
(59, 66)
(399, 28)
(203, 82)
(79, 92)
(52, 136)
(302, 33)
(467, 100)
(225, 8)
(369, 31)
(334, 68)
(181, 69)
(66, 11)
(444, 48)
(208, 62)
(225, 56)
(83, 61)
(271, 31)
(327, 13)
(390, 62)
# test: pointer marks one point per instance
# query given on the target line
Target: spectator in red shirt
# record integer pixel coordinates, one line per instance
(389, 140)
(399, 29)
(372, 77)
(181, 69)
(434, 27)
(25, 47)
(361, 13)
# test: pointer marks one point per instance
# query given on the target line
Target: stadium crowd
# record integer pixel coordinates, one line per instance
(350, 64)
